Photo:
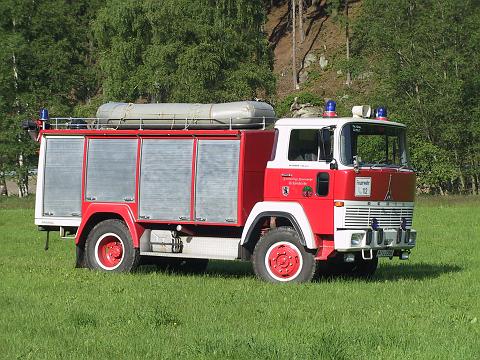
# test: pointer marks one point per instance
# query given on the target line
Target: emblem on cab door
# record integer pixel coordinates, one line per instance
(285, 190)
(307, 191)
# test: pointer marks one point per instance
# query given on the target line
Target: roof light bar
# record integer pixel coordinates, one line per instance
(44, 114)
(330, 109)
(382, 113)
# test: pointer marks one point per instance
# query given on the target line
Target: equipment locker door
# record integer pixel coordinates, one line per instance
(216, 183)
(63, 177)
(166, 179)
(111, 169)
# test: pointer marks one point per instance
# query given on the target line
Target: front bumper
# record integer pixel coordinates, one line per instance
(348, 240)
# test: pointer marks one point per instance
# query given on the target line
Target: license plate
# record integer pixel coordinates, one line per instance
(363, 186)
(385, 253)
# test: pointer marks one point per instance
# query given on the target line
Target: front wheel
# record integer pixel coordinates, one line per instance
(279, 256)
(109, 247)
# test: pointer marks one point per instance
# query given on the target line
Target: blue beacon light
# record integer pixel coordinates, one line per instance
(44, 114)
(330, 109)
(382, 113)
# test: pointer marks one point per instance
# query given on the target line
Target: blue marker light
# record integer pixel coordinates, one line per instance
(330, 109)
(44, 114)
(382, 113)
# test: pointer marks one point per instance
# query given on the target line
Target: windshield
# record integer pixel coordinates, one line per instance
(373, 144)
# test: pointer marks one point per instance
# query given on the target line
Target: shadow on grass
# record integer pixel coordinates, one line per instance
(227, 269)
(416, 271)
(385, 272)
(398, 272)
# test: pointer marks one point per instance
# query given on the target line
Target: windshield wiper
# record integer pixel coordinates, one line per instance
(405, 167)
(395, 166)
(378, 163)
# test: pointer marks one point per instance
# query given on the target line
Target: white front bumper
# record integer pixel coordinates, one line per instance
(374, 240)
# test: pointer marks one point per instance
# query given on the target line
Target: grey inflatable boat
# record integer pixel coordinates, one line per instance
(235, 115)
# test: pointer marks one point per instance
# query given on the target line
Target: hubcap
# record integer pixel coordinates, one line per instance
(283, 261)
(109, 251)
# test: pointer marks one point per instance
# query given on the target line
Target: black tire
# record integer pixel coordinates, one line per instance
(109, 247)
(292, 262)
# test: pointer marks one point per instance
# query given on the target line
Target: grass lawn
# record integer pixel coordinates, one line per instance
(425, 308)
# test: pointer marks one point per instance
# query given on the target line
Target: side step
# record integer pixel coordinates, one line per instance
(67, 234)
(188, 256)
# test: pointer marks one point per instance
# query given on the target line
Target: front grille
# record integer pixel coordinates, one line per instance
(360, 217)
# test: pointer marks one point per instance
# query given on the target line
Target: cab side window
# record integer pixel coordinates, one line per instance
(310, 145)
(303, 145)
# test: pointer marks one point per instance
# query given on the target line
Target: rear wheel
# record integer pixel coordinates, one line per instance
(109, 247)
(279, 256)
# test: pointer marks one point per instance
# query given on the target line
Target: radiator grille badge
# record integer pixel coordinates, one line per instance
(388, 195)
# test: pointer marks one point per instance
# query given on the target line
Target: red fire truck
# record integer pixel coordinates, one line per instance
(187, 183)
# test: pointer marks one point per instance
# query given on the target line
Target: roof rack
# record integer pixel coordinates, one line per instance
(173, 123)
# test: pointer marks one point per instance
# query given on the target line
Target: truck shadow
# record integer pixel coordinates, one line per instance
(227, 269)
(385, 271)
(415, 271)
(398, 272)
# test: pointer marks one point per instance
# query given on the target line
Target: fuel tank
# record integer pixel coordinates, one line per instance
(241, 114)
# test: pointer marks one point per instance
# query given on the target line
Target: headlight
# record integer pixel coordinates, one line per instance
(356, 239)
(413, 237)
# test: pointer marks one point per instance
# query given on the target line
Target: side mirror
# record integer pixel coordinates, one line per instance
(333, 165)
(31, 127)
(325, 134)
(356, 163)
(325, 144)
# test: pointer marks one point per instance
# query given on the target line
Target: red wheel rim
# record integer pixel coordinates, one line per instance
(283, 261)
(109, 251)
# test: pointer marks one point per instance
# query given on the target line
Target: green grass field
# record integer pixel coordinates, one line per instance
(425, 308)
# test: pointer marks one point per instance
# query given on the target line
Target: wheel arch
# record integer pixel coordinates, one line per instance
(293, 213)
(97, 213)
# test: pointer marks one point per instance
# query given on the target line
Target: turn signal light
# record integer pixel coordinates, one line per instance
(339, 204)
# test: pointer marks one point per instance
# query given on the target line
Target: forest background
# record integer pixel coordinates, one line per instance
(420, 58)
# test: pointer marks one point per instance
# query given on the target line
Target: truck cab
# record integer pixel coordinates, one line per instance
(352, 179)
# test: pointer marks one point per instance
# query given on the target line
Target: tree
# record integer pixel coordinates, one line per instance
(42, 64)
(424, 57)
(294, 48)
(183, 51)
(338, 10)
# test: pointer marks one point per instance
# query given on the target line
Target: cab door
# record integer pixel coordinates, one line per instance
(301, 173)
